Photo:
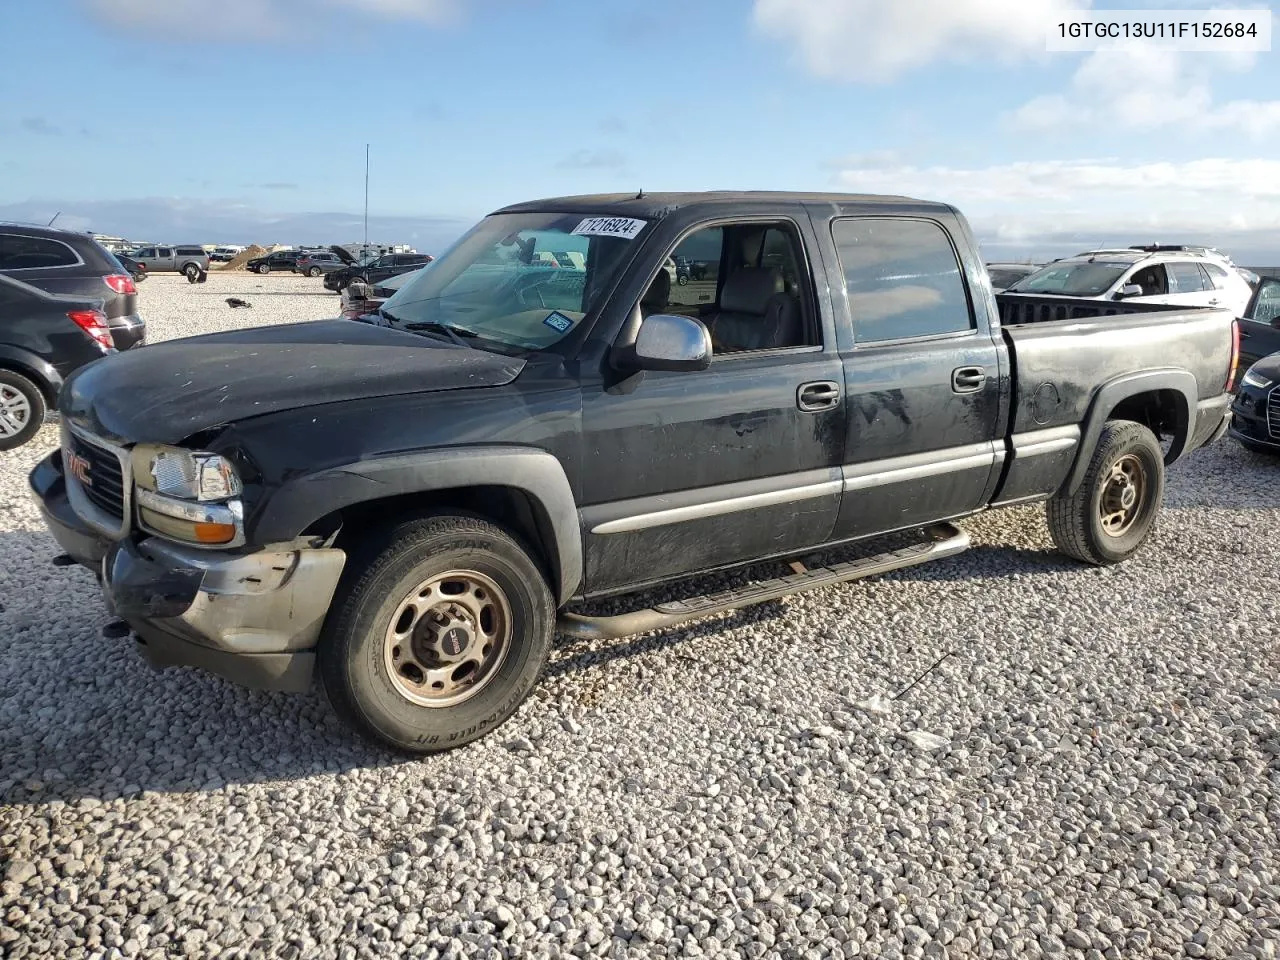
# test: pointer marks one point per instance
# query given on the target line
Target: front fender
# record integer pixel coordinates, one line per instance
(304, 500)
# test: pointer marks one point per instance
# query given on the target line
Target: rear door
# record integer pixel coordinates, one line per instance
(1190, 286)
(1258, 338)
(923, 374)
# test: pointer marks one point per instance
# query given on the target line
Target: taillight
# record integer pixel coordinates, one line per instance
(94, 323)
(120, 283)
(1235, 356)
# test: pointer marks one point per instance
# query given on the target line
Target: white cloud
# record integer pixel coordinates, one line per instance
(1107, 199)
(258, 19)
(1144, 90)
(878, 40)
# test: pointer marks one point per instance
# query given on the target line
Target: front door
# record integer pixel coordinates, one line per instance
(684, 471)
(1258, 338)
(923, 379)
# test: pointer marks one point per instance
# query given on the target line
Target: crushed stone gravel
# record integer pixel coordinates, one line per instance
(1101, 777)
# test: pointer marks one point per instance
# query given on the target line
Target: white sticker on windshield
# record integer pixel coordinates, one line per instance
(624, 227)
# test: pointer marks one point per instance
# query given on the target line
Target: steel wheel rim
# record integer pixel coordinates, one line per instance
(447, 638)
(15, 411)
(1123, 495)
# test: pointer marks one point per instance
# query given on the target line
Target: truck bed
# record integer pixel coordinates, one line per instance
(1061, 368)
(1022, 308)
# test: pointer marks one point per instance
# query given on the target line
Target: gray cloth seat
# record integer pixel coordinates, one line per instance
(756, 313)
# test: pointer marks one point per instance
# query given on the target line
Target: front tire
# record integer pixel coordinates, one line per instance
(264, 269)
(1113, 513)
(22, 409)
(437, 634)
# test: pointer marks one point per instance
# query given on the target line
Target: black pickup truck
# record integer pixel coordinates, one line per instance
(409, 506)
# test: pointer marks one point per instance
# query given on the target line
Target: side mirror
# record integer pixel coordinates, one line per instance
(1129, 290)
(671, 342)
(1275, 323)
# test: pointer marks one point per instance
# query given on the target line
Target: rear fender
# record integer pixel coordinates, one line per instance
(33, 367)
(1111, 394)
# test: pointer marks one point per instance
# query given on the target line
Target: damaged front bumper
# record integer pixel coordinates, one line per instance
(252, 618)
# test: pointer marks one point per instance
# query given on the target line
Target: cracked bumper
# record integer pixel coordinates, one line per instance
(252, 618)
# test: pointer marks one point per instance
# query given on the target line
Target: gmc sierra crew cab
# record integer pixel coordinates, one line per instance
(411, 506)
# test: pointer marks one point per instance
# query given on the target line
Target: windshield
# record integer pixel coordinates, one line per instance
(522, 280)
(1079, 279)
(1002, 277)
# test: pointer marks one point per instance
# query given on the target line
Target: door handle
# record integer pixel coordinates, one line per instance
(968, 379)
(819, 395)
(1214, 302)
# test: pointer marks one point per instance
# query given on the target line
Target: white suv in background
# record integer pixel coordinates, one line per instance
(1189, 276)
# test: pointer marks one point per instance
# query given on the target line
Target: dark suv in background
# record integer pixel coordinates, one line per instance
(382, 268)
(280, 260)
(74, 264)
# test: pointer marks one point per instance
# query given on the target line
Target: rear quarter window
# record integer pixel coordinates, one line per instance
(18, 252)
(902, 279)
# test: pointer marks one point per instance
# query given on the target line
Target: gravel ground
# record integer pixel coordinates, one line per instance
(1093, 770)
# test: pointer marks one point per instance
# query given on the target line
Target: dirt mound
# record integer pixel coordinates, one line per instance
(243, 257)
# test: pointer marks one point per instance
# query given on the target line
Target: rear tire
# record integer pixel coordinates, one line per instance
(22, 410)
(192, 271)
(1113, 513)
(437, 634)
(314, 272)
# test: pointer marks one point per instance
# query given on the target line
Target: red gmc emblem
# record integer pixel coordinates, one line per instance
(79, 466)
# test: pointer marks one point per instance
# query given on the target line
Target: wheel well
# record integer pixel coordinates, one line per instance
(46, 389)
(1163, 412)
(509, 507)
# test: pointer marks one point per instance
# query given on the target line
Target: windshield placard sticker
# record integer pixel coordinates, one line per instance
(624, 227)
(558, 321)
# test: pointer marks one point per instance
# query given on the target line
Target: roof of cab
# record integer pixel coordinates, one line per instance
(657, 205)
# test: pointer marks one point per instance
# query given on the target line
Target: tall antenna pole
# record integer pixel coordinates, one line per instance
(366, 197)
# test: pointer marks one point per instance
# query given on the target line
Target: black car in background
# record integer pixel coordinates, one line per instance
(313, 263)
(380, 268)
(1259, 335)
(284, 260)
(136, 270)
(74, 264)
(44, 338)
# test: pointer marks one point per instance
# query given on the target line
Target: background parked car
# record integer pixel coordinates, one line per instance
(224, 254)
(379, 268)
(317, 262)
(1189, 279)
(1005, 275)
(1259, 335)
(74, 264)
(190, 259)
(136, 270)
(44, 338)
(360, 298)
(280, 260)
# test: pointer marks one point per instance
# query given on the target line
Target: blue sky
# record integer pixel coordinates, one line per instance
(246, 120)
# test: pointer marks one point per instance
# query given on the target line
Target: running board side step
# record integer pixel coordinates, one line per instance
(942, 540)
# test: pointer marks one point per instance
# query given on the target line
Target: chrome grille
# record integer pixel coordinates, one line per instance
(1273, 413)
(103, 480)
(99, 481)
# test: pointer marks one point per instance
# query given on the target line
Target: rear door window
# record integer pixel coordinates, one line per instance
(34, 253)
(902, 277)
(1186, 278)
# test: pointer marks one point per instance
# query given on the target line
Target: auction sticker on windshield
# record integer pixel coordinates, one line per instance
(624, 227)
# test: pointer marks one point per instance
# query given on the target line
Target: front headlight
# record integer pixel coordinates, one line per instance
(188, 496)
(203, 477)
(1255, 379)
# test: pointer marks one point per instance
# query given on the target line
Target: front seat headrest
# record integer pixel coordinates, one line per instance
(749, 290)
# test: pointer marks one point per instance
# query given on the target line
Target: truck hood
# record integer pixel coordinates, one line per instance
(165, 392)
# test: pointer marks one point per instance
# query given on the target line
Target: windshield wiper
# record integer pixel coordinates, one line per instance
(453, 333)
